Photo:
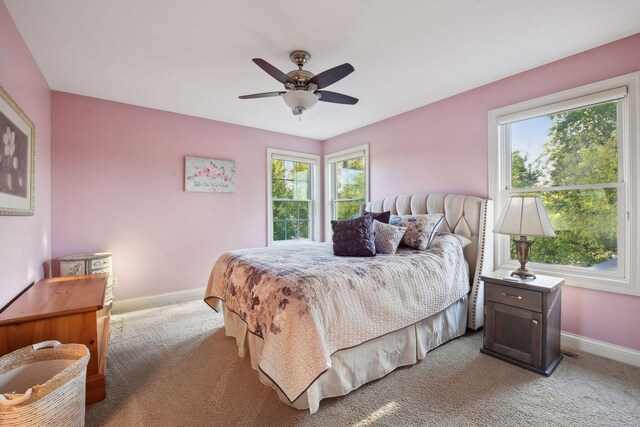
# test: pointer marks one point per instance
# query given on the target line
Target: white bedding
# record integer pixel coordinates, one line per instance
(306, 304)
(358, 365)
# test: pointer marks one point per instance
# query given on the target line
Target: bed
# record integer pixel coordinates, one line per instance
(316, 326)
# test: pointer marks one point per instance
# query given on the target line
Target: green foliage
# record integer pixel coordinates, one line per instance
(523, 173)
(582, 149)
(583, 146)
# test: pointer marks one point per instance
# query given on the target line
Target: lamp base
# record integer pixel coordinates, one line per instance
(523, 251)
(523, 274)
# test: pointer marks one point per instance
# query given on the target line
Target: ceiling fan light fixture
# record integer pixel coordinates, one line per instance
(302, 86)
(300, 100)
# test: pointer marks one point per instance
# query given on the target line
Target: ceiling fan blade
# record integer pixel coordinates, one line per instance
(271, 70)
(261, 95)
(336, 98)
(332, 75)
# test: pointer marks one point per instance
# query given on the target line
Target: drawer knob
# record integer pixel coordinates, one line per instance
(534, 321)
(511, 296)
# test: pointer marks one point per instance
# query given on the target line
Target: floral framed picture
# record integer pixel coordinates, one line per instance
(209, 175)
(17, 158)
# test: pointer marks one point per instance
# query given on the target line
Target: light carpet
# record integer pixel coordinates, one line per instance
(173, 365)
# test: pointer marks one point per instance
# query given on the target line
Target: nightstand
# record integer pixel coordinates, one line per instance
(522, 320)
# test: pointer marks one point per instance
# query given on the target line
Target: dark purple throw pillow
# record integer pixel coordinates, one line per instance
(377, 216)
(354, 236)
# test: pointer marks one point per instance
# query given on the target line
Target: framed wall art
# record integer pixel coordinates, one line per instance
(17, 158)
(209, 175)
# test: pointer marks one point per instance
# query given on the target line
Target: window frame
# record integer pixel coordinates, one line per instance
(314, 214)
(624, 281)
(330, 182)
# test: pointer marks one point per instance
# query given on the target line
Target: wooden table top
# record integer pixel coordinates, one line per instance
(541, 283)
(59, 296)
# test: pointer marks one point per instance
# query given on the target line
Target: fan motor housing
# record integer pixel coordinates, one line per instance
(301, 77)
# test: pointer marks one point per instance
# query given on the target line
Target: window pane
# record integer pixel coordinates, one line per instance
(280, 210)
(345, 210)
(290, 187)
(304, 208)
(350, 179)
(277, 169)
(281, 189)
(292, 230)
(304, 230)
(585, 222)
(278, 230)
(289, 169)
(303, 190)
(302, 171)
(292, 210)
(575, 147)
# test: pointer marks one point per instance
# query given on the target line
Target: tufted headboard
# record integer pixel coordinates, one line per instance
(468, 216)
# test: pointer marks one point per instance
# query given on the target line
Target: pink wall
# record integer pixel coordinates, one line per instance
(118, 178)
(25, 240)
(417, 152)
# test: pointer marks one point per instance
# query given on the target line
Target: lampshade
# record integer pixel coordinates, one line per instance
(300, 100)
(524, 216)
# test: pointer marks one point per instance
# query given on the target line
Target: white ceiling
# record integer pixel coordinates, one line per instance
(194, 56)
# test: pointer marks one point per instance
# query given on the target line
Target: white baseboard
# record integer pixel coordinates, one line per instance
(611, 351)
(132, 304)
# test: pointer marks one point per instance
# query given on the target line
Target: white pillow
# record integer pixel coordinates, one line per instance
(388, 237)
(463, 240)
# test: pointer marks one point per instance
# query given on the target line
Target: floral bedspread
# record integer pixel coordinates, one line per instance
(307, 304)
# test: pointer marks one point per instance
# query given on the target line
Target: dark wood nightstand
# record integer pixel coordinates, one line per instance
(522, 320)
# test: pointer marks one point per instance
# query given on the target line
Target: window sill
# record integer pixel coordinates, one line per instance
(293, 242)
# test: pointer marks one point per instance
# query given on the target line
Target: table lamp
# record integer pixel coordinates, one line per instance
(524, 217)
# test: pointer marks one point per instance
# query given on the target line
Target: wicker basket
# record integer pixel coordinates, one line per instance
(44, 385)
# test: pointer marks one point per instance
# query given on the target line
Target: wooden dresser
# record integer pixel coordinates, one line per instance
(66, 309)
(522, 320)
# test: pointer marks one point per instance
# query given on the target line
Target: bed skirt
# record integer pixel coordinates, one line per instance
(366, 362)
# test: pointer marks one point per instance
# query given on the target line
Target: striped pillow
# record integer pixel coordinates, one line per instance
(388, 237)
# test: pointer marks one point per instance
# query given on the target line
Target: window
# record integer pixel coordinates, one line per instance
(293, 192)
(346, 183)
(574, 150)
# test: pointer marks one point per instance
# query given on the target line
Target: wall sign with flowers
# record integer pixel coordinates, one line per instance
(209, 175)
(17, 158)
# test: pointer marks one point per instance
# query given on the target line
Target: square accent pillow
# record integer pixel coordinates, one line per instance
(388, 237)
(354, 236)
(420, 229)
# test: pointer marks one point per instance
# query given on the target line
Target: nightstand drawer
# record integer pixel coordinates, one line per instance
(515, 297)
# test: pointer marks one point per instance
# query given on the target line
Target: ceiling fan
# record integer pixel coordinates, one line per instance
(302, 86)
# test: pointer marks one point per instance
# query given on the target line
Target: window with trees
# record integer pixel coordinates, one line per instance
(346, 182)
(574, 151)
(293, 195)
